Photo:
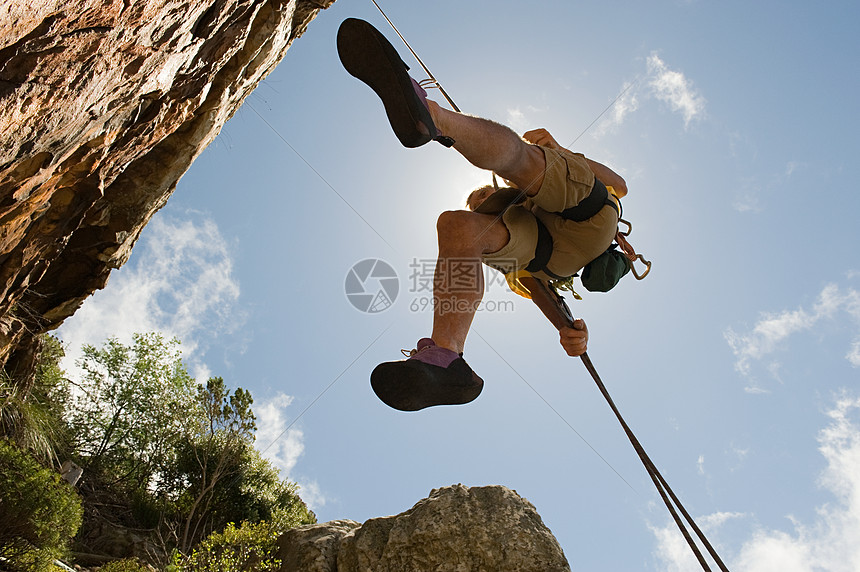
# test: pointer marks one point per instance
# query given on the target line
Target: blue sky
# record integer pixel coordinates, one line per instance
(736, 362)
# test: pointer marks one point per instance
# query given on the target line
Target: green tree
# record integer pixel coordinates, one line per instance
(210, 452)
(268, 507)
(250, 489)
(219, 477)
(39, 512)
(180, 455)
(131, 405)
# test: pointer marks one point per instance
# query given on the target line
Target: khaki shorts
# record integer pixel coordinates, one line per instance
(567, 181)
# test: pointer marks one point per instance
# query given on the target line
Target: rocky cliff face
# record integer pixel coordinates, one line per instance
(104, 104)
(455, 529)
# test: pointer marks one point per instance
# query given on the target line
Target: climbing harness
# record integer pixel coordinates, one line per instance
(556, 310)
(602, 273)
(599, 197)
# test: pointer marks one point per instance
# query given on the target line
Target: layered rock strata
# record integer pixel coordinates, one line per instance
(104, 104)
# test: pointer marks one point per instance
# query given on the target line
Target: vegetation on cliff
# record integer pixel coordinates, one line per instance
(169, 464)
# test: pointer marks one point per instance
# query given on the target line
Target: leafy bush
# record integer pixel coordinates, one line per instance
(249, 548)
(39, 512)
(165, 453)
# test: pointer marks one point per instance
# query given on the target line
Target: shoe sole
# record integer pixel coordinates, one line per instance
(408, 386)
(368, 56)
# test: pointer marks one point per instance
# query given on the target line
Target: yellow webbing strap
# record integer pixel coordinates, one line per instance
(614, 196)
(513, 280)
(515, 283)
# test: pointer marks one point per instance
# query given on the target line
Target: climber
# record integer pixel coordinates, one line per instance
(527, 231)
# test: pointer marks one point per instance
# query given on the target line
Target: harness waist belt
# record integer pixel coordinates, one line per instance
(598, 198)
(590, 205)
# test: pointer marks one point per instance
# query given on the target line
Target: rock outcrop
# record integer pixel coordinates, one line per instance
(455, 529)
(104, 104)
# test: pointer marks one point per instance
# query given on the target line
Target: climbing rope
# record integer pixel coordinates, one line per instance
(556, 310)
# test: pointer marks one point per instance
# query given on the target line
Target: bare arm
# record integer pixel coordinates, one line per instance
(606, 175)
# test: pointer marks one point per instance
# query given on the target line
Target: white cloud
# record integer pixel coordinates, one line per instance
(311, 493)
(853, 355)
(282, 444)
(827, 544)
(830, 543)
(770, 333)
(517, 121)
(626, 104)
(791, 167)
(740, 454)
(674, 88)
(747, 197)
(524, 120)
(672, 550)
(661, 83)
(766, 336)
(776, 552)
(747, 203)
(179, 282)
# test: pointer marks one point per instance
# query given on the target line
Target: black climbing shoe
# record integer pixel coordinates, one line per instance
(367, 55)
(418, 382)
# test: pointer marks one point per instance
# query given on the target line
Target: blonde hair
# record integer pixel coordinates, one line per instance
(469, 204)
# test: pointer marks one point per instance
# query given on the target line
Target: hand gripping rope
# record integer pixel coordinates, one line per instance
(554, 307)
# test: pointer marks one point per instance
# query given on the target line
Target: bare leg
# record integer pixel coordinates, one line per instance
(458, 284)
(489, 145)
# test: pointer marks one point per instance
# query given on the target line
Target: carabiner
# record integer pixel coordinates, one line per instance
(647, 264)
